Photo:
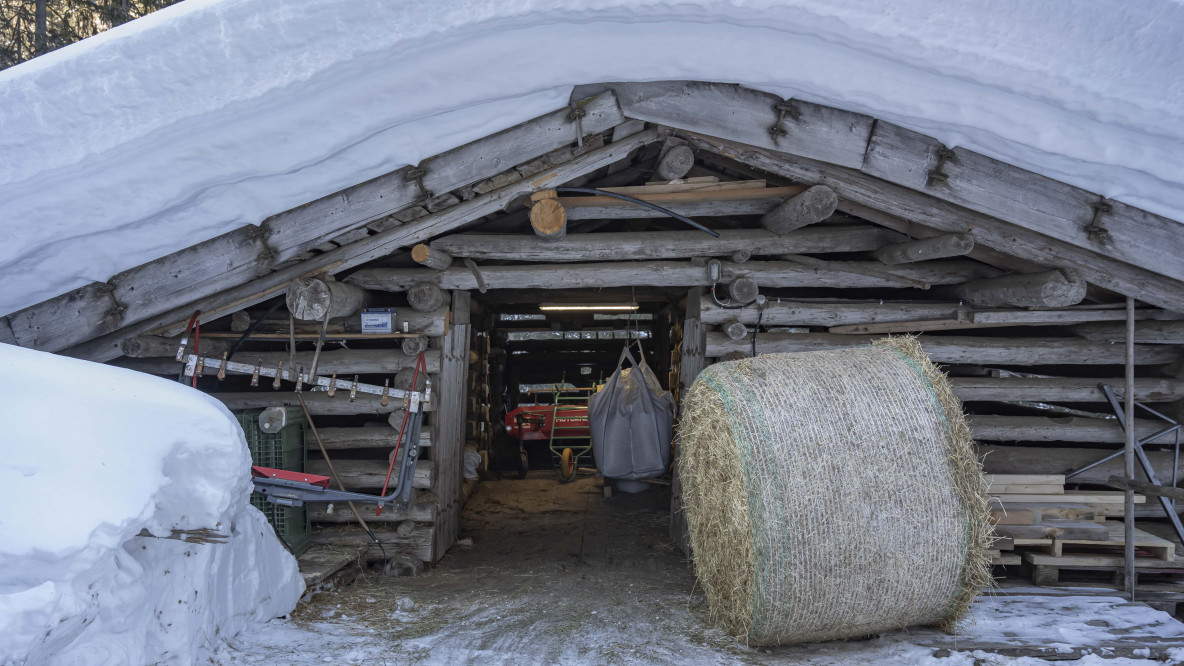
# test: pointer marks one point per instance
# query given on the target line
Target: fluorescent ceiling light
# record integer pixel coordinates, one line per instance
(556, 307)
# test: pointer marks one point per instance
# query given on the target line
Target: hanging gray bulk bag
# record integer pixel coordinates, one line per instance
(631, 419)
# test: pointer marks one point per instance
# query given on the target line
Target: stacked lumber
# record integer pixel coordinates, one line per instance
(1040, 523)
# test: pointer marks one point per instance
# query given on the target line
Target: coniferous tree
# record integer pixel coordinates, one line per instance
(31, 27)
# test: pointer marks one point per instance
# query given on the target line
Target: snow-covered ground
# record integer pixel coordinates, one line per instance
(212, 114)
(92, 455)
(495, 637)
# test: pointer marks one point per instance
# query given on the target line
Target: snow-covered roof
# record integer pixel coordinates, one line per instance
(213, 114)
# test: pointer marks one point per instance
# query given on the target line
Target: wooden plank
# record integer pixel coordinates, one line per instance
(319, 402)
(1105, 562)
(1053, 510)
(1147, 332)
(417, 543)
(1062, 389)
(1055, 529)
(1114, 534)
(1024, 198)
(364, 250)
(447, 432)
(341, 361)
(810, 130)
(1075, 497)
(1061, 460)
(1006, 559)
(687, 209)
(1041, 479)
(706, 184)
(949, 349)
(1002, 516)
(859, 192)
(422, 511)
(828, 312)
(1053, 429)
(663, 244)
(671, 199)
(369, 475)
(1025, 489)
(662, 274)
(363, 438)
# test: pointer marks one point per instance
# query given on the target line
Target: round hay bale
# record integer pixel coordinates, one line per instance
(832, 494)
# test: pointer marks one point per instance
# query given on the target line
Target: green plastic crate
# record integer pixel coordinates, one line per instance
(281, 450)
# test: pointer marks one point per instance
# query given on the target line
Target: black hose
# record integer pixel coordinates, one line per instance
(251, 329)
(639, 202)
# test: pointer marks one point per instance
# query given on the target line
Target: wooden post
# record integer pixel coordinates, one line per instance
(312, 299)
(448, 426)
(547, 216)
(694, 343)
(1049, 289)
(814, 205)
(425, 296)
(426, 256)
(1128, 499)
(938, 247)
(674, 164)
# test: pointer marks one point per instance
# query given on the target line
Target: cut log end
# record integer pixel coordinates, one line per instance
(425, 297)
(426, 256)
(743, 290)
(735, 330)
(814, 205)
(548, 219)
(674, 164)
(313, 299)
(413, 346)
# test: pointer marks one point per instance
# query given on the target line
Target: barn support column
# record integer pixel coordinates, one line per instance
(692, 361)
(448, 422)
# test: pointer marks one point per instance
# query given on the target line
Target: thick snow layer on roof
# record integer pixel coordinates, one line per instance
(93, 455)
(212, 114)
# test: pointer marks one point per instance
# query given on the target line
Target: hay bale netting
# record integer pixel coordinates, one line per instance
(832, 494)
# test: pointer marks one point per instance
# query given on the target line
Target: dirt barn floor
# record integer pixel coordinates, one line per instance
(557, 574)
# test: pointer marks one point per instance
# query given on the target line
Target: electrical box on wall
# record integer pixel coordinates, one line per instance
(378, 320)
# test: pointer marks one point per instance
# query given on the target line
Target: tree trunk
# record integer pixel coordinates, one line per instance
(41, 36)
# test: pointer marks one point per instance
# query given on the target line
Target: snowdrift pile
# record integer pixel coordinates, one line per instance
(90, 455)
(832, 494)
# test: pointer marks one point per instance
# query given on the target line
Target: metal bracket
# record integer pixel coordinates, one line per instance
(786, 108)
(1095, 230)
(416, 175)
(577, 115)
(938, 175)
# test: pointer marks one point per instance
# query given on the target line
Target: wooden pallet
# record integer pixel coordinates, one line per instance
(1046, 569)
(1160, 549)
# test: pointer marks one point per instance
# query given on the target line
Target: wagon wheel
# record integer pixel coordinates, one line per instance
(567, 466)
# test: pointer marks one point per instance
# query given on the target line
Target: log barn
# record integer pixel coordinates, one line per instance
(822, 229)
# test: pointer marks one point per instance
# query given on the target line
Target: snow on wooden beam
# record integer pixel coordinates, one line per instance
(839, 274)
(861, 190)
(665, 244)
(950, 349)
(221, 264)
(985, 185)
(364, 250)
(752, 117)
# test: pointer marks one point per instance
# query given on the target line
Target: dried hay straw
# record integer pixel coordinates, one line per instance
(832, 494)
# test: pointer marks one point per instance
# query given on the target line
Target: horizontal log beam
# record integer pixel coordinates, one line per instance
(1024, 198)
(366, 475)
(1149, 332)
(422, 511)
(665, 244)
(1060, 389)
(417, 543)
(1060, 460)
(341, 361)
(948, 349)
(827, 312)
(319, 403)
(362, 250)
(1053, 429)
(858, 191)
(362, 438)
(810, 130)
(837, 274)
(705, 208)
(219, 264)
